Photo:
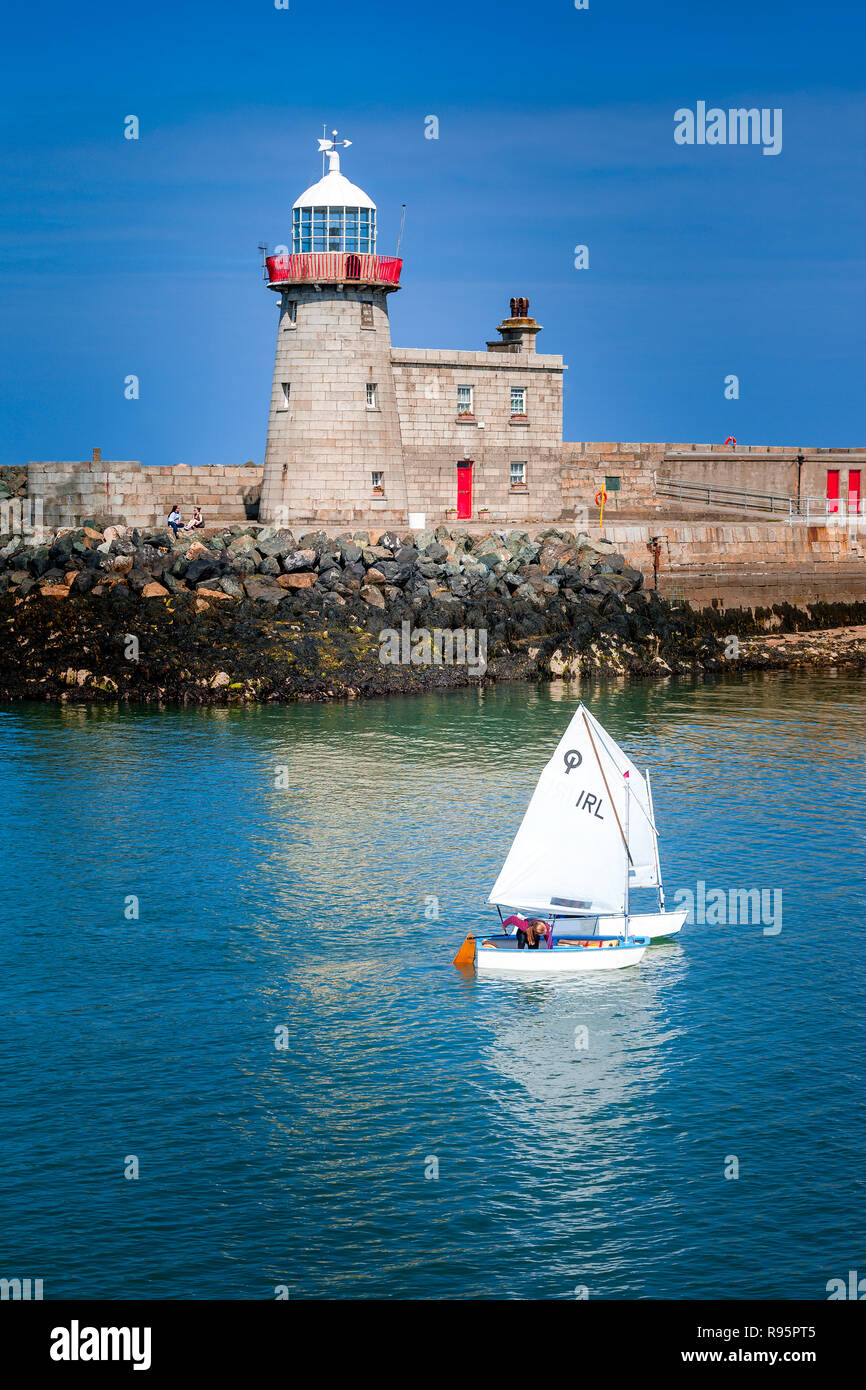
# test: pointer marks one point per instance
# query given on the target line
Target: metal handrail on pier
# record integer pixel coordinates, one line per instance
(814, 510)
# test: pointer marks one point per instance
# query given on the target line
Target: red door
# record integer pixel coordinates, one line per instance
(853, 491)
(464, 489)
(832, 489)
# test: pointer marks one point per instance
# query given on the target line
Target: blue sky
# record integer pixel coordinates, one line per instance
(555, 129)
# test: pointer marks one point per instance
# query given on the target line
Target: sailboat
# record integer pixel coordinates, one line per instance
(588, 838)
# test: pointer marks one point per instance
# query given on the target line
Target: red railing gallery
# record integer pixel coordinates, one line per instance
(318, 266)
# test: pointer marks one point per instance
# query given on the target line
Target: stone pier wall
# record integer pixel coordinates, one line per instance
(732, 564)
(129, 494)
(781, 470)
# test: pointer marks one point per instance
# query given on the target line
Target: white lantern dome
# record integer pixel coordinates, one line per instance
(334, 214)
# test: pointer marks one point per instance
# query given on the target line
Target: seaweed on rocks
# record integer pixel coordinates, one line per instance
(256, 613)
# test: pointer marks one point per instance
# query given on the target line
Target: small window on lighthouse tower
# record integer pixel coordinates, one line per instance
(372, 396)
(287, 391)
(378, 482)
(367, 314)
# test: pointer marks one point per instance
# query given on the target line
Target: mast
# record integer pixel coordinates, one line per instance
(652, 811)
(627, 853)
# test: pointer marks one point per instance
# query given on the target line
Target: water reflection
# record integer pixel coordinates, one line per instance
(334, 905)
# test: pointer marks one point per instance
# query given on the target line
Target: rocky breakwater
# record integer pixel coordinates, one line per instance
(256, 613)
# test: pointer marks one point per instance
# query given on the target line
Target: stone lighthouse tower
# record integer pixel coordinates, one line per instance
(334, 450)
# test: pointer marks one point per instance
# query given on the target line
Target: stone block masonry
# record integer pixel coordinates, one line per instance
(128, 494)
(728, 564)
(648, 476)
(516, 459)
(361, 431)
(334, 450)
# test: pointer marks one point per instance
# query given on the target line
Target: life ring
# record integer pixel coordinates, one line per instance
(600, 497)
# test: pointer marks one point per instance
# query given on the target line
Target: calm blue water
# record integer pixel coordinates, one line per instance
(263, 906)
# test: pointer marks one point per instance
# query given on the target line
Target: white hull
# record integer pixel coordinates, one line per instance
(651, 924)
(501, 956)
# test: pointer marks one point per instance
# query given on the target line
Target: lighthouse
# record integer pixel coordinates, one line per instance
(334, 449)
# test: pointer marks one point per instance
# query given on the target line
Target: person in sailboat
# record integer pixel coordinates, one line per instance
(529, 930)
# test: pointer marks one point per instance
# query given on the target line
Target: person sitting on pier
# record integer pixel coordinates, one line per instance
(174, 520)
(196, 521)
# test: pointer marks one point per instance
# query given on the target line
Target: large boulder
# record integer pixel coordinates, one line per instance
(350, 552)
(436, 552)
(243, 564)
(271, 541)
(231, 585)
(40, 560)
(328, 579)
(300, 579)
(556, 554)
(372, 596)
(299, 560)
(263, 589)
(315, 540)
(609, 584)
(428, 569)
(373, 554)
(524, 550)
(201, 569)
(636, 577)
(243, 545)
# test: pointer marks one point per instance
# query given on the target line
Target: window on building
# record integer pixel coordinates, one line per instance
(290, 317)
(287, 392)
(518, 400)
(367, 314)
(378, 482)
(518, 475)
(465, 400)
(372, 396)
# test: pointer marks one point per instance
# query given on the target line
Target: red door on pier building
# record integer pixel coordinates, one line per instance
(464, 489)
(853, 491)
(832, 490)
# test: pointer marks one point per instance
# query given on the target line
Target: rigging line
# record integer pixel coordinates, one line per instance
(607, 788)
(650, 819)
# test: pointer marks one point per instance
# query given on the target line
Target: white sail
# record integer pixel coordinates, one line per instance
(568, 857)
(642, 836)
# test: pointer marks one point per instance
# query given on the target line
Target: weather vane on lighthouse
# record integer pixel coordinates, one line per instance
(329, 148)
